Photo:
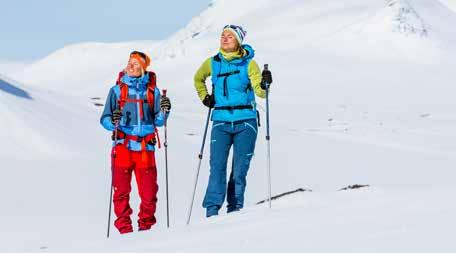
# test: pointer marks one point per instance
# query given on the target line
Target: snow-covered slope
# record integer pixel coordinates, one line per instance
(299, 25)
(78, 68)
(45, 159)
(372, 220)
(451, 4)
(11, 67)
(39, 124)
(362, 93)
(7, 86)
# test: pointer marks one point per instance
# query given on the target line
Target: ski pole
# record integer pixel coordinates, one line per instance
(200, 157)
(112, 176)
(268, 138)
(166, 163)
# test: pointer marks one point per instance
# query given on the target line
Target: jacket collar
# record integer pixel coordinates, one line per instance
(239, 56)
(140, 82)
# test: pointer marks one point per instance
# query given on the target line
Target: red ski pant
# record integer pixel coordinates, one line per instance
(124, 163)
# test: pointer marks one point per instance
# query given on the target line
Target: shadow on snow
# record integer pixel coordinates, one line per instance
(13, 90)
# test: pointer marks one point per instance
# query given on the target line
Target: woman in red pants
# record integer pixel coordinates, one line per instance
(133, 110)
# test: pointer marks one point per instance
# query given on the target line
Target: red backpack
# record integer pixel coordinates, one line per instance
(124, 92)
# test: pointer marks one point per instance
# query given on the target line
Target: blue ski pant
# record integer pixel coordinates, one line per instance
(242, 136)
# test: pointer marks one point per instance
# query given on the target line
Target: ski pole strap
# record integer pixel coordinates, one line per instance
(258, 118)
(236, 107)
(158, 137)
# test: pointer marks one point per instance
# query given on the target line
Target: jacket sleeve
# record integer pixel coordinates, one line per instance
(109, 108)
(255, 78)
(159, 114)
(200, 77)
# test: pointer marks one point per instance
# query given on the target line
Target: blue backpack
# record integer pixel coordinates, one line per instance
(233, 92)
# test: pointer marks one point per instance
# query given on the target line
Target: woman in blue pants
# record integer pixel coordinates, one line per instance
(236, 79)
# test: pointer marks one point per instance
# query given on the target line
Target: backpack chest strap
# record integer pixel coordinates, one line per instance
(235, 107)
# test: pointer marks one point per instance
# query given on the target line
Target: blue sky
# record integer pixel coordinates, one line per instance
(31, 29)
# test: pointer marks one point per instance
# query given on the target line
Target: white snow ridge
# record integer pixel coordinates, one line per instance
(405, 19)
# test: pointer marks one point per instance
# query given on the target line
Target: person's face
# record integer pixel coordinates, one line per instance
(133, 68)
(228, 42)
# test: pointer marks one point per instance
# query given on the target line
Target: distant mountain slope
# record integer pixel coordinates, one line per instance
(357, 25)
(77, 68)
(451, 4)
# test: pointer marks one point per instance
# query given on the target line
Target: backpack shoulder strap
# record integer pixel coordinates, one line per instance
(151, 90)
(244, 75)
(216, 67)
(123, 91)
(217, 58)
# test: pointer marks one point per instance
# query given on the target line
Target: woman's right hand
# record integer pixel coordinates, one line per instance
(209, 101)
(266, 79)
(116, 115)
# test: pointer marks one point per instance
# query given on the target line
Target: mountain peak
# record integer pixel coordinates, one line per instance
(406, 19)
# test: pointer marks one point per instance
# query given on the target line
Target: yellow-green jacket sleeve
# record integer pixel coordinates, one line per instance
(255, 78)
(200, 77)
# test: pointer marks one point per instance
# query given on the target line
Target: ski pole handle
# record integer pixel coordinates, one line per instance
(116, 126)
(164, 91)
(266, 69)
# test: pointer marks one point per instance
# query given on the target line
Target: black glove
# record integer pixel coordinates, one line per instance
(116, 115)
(165, 104)
(209, 101)
(266, 79)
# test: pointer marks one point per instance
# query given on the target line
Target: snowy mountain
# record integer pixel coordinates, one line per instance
(11, 67)
(362, 94)
(79, 67)
(451, 4)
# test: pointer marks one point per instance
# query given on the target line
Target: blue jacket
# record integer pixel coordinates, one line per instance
(131, 122)
(232, 87)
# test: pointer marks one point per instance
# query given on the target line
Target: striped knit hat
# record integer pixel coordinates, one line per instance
(238, 32)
